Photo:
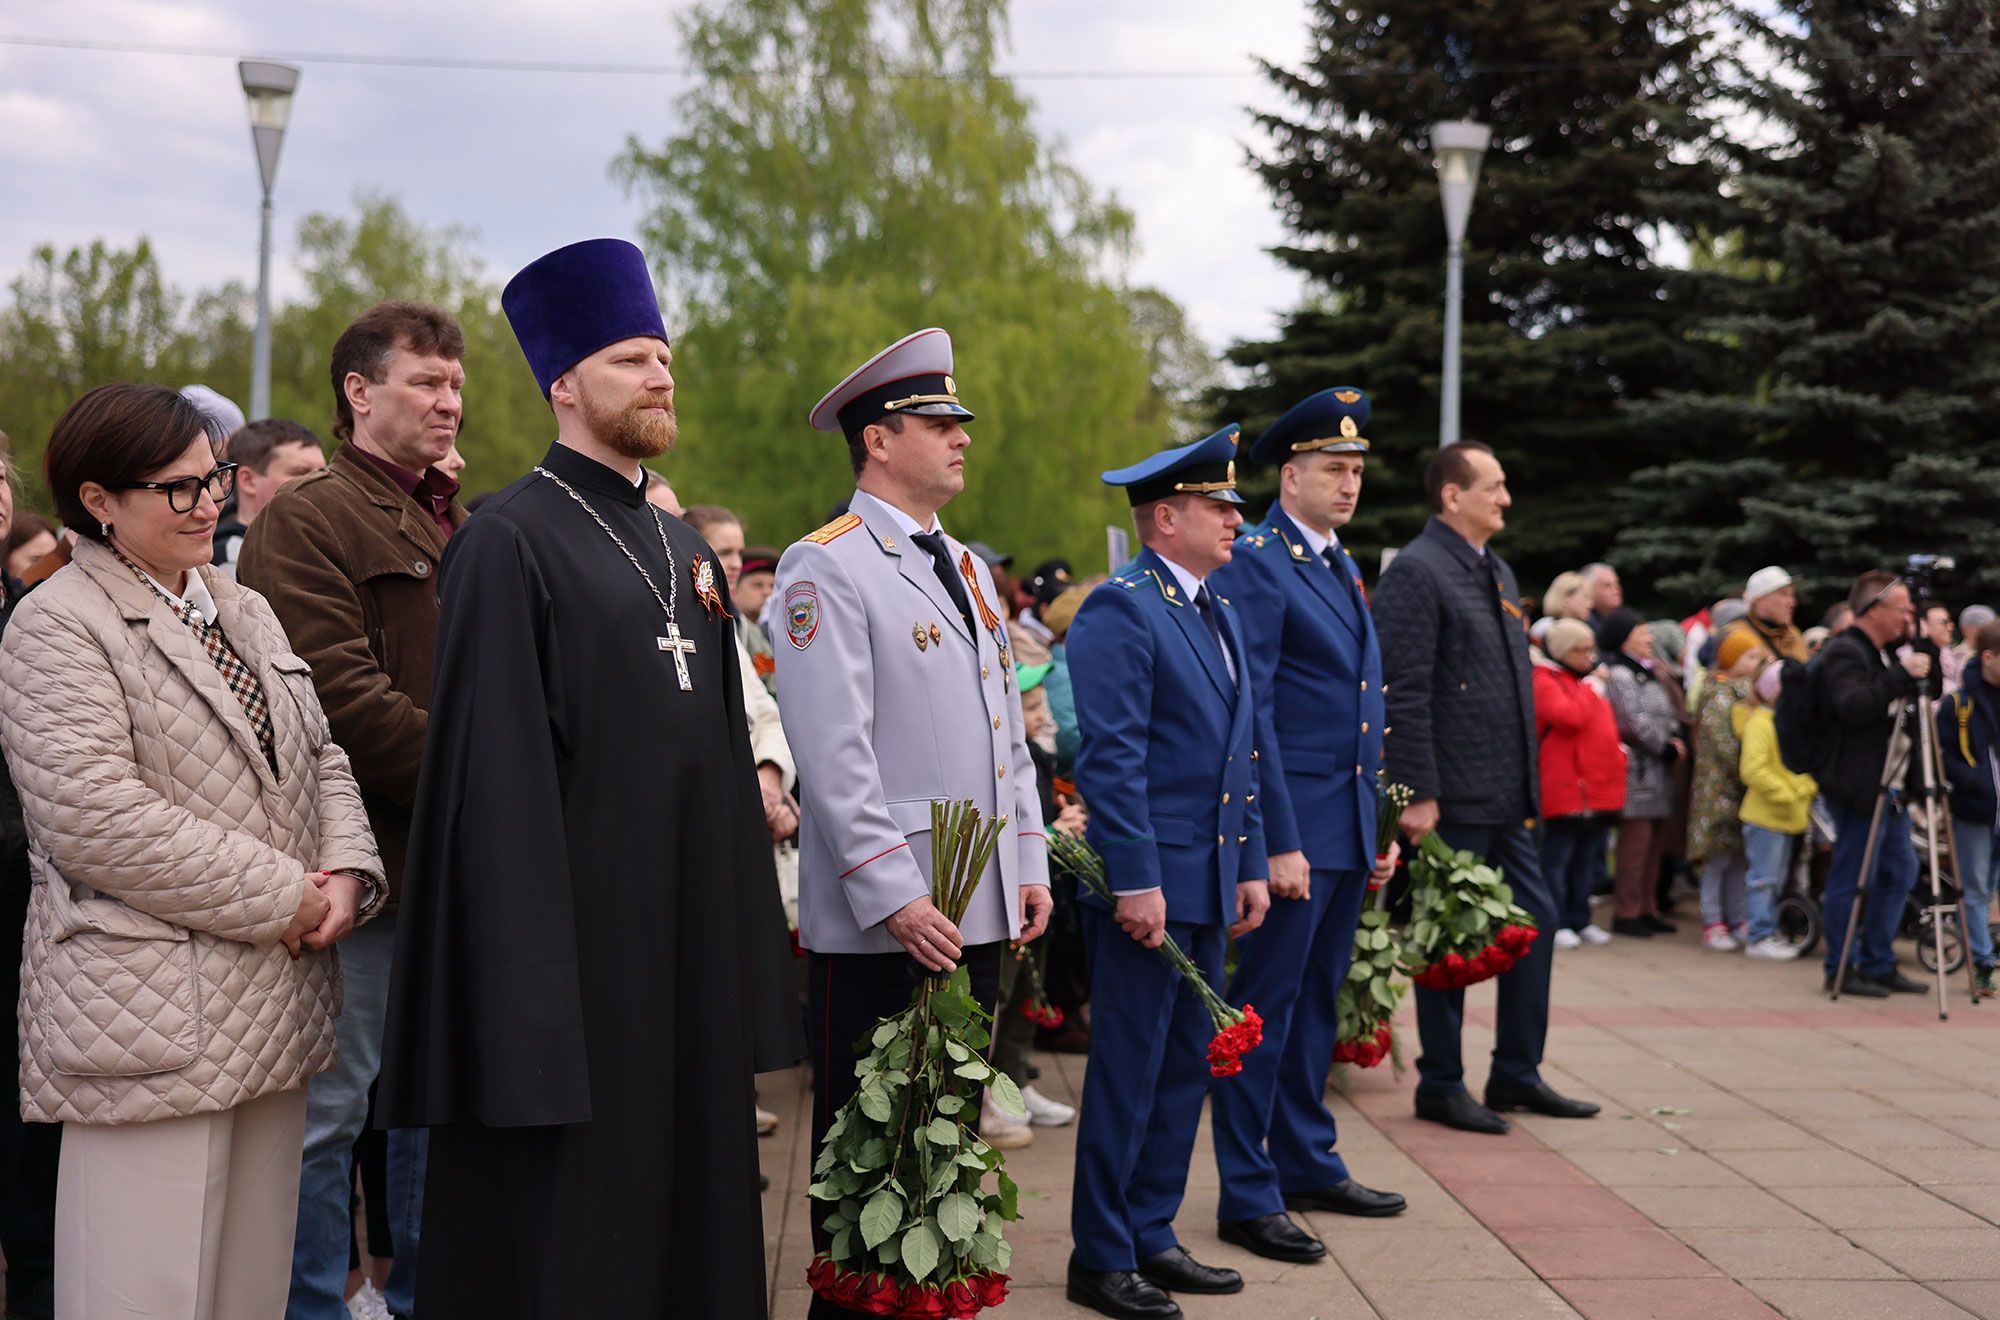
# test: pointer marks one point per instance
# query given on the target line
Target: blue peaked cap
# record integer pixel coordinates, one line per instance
(577, 299)
(1206, 467)
(1328, 421)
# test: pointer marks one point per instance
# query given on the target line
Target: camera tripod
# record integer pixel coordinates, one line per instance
(1933, 794)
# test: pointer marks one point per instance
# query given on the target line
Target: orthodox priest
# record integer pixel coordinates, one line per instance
(592, 962)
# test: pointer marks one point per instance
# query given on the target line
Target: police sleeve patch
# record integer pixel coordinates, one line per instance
(802, 614)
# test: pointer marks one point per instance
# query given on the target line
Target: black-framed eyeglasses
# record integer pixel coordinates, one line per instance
(184, 494)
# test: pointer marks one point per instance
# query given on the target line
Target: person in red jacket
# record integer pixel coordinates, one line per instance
(1582, 776)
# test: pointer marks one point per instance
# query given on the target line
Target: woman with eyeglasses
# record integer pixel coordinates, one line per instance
(196, 846)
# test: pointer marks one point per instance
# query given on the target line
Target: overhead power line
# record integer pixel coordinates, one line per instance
(662, 70)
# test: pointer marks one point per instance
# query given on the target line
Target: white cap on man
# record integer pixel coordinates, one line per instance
(1765, 581)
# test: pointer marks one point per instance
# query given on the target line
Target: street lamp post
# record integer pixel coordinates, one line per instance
(268, 88)
(1457, 147)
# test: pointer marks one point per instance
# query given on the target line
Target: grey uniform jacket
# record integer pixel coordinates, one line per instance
(888, 702)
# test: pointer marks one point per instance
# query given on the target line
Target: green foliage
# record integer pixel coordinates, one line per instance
(801, 222)
(1864, 423)
(1567, 314)
(95, 314)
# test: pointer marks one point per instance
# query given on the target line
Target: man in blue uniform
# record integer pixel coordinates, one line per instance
(1316, 674)
(1167, 764)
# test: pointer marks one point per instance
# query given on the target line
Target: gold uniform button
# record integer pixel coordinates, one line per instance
(1225, 799)
(984, 672)
(1241, 838)
(996, 724)
(1253, 755)
(1357, 769)
(1003, 772)
(1364, 726)
(1364, 685)
(1249, 797)
(1218, 840)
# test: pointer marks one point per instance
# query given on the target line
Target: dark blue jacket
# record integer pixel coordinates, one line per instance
(1316, 673)
(1461, 702)
(1969, 732)
(1168, 763)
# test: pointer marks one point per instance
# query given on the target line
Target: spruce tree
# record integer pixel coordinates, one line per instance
(1867, 424)
(1597, 150)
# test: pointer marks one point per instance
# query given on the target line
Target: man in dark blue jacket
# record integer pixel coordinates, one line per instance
(1168, 763)
(1316, 674)
(1969, 732)
(1461, 701)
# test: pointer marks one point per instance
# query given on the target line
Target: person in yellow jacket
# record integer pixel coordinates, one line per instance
(1776, 806)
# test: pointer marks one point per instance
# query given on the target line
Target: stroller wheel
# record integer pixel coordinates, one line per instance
(1954, 947)
(1798, 922)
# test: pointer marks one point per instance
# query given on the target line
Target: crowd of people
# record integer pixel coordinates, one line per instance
(351, 827)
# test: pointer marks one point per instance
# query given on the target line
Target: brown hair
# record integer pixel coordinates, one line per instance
(114, 435)
(1869, 588)
(27, 526)
(252, 445)
(1450, 467)
(1986, 637)
(857, 452)
(365, 345)
(701, 517)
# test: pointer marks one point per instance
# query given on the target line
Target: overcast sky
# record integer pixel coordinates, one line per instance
(112, 145)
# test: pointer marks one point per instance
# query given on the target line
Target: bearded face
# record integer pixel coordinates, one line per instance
(641, 427)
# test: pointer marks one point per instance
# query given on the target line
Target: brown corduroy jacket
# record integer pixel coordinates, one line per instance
(350, 564)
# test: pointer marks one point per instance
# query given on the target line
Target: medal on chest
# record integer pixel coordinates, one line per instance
(704, 587)
(987, 618)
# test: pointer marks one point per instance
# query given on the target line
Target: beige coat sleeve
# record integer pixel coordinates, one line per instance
(767, 730)
(68, 740)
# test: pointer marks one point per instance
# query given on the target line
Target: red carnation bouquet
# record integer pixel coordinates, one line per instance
(1036, 1006)
(1464, 924)
(915, 1233)
(1237, 1032)
(1369, 995)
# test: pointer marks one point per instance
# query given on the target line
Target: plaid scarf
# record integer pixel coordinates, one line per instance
(236, 675)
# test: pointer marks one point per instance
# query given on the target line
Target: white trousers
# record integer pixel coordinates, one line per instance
(181, 1218)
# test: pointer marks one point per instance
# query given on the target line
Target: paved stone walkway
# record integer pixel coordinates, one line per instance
(1762, 1152)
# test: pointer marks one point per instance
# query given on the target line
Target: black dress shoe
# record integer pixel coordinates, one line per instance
(1658, 926)
(1636, 927)
(1121, 1294)
(1176, 1271)
(1461, 1111)
(1901, 984)
(1348, 1197)
(1857, 985)
(1274, 1237)
(1541, 1098)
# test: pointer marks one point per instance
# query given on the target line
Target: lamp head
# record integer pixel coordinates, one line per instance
(1457, 146)
(268, 88)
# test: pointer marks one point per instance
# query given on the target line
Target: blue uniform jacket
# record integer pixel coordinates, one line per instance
(1168, 763)
(1316, 673)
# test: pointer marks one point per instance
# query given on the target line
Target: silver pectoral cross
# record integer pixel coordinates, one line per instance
(682, 648)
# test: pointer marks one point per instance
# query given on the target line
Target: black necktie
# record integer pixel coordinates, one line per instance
(933, 544)
(1206, 608)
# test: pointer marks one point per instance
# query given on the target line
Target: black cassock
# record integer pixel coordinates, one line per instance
(590, 960)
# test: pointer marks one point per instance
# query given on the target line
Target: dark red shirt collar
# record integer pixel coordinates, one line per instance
(431, 489)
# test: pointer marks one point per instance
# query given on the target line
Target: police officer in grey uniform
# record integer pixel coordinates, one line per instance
(897, 687)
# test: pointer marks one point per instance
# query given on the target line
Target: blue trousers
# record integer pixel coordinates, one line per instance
(1142, 1094)
(1895, 871)
(336, 1107)
(1273, 1132)
(1522, 1023)
(1976, 852)
(1573, 863)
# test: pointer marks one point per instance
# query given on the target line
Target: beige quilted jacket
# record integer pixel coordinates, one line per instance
(167, 858)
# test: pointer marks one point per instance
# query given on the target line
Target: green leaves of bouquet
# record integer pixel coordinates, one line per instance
(914, 1229)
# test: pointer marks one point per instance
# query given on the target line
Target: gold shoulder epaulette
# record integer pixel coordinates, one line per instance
(834, 530)
(1130, 584)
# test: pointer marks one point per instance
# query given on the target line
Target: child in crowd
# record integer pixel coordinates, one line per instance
(1776, 806)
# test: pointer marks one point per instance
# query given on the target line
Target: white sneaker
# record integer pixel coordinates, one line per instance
(1772, 949)
(1595, 934)
(1717, 937)
(368, 1304)
(1566, 939)
(1044, 1112)
(1002, 1131)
